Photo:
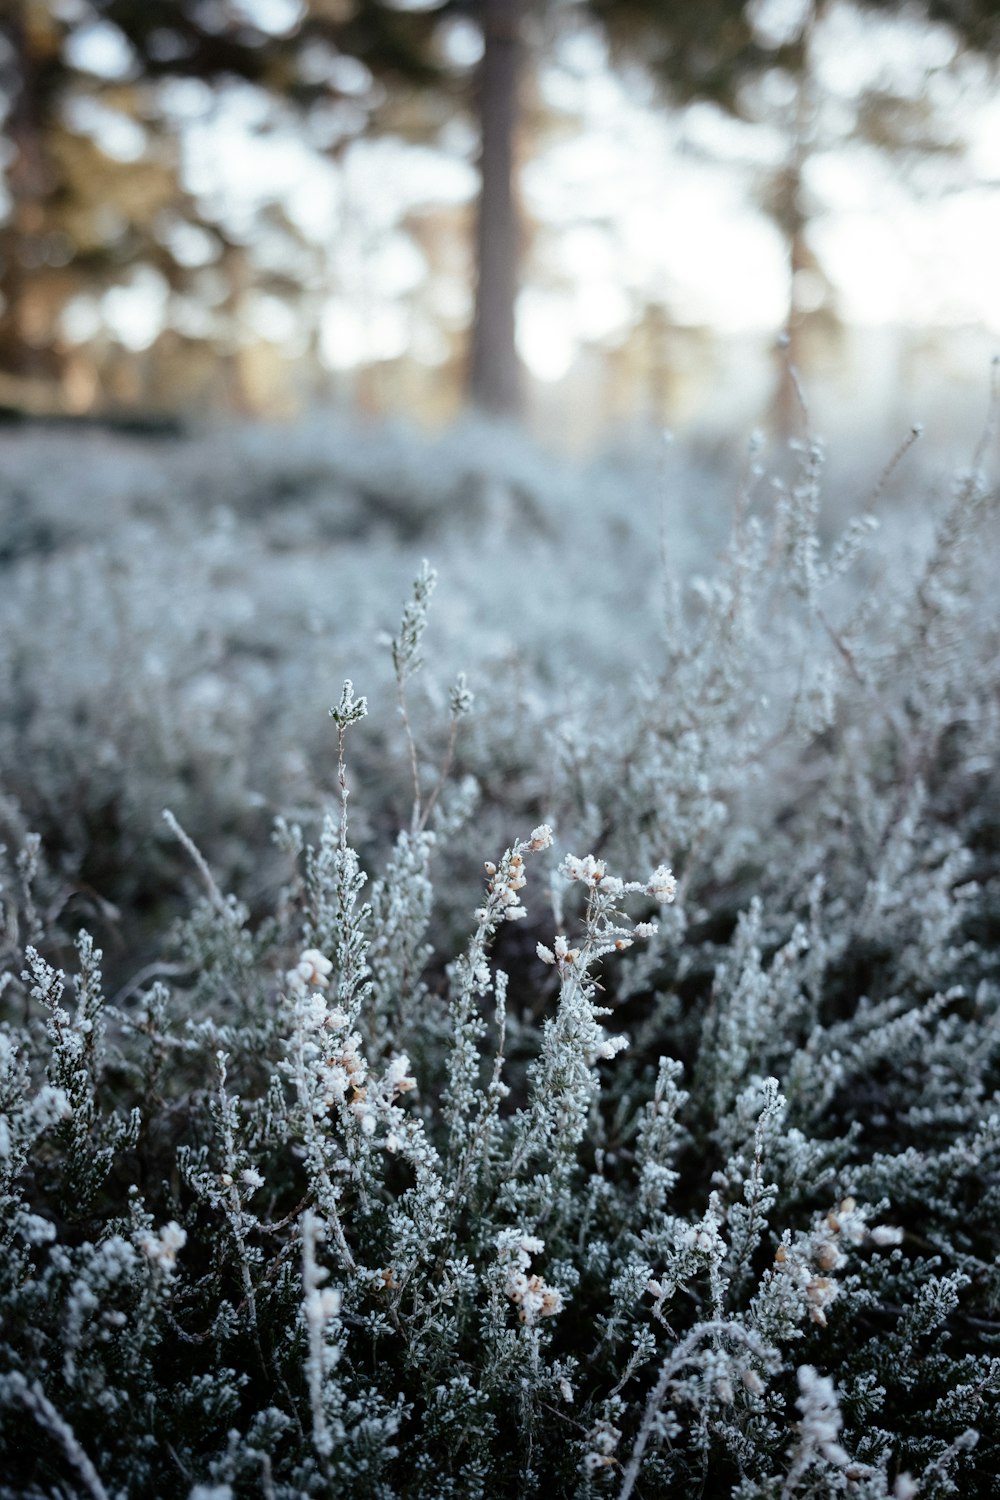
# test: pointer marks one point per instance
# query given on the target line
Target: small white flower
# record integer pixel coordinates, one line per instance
(319, 966)
(820, 1292)
(311, 969)
(173, 1237)
(698, 1238)
(887, 1234)
(461, 698)
(565, 956)
(541, 837)
(336, 1082)
(828, 1256)
(512, 1245)
(606, 1438)
(848, 1220)
(661, 885)
(162, 1248)
(397, 1075)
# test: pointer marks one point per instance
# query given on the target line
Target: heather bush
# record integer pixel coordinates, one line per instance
(574, 1066)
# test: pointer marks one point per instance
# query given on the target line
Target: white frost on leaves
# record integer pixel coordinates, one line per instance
(821, 1422)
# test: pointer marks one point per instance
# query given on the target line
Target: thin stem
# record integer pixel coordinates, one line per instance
(342, 782)
(198, 859)
(46, 1416)
(681, 1356)
(893, 464)
(442, 777)
(416, 822)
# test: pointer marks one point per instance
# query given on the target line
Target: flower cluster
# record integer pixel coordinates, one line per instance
(529, 1293)
(603, 1439)
(588, 870)
(808, 1263)
(345, 1072)
(592, 872)
(606, 931)
(505, 883)
(348, 1080)
(817, 1290)
(339, 1065)
(503, 888)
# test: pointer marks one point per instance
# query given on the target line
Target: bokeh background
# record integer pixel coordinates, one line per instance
(597, 216)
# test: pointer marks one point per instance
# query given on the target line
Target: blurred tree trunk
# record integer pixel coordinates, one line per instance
(495, 375)
(25, 352)
(787, 415)
(790, 212)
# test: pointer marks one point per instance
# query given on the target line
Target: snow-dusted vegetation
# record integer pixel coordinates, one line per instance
(550, 1045)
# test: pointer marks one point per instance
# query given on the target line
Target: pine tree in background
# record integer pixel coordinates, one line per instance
(495, 377)
(80, 220)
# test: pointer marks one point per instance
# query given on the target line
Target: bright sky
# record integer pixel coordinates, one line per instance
(670, 212)
(636, 205)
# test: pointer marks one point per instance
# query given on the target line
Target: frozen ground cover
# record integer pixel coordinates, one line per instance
(175, 616)
(658, 1157)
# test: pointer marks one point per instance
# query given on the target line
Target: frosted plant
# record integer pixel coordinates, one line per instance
(562, 1080)
(358, 1168)
(471, 980)
(819, 1429)
(321, 1313)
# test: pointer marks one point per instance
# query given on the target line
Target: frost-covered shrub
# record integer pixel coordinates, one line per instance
(659, 1156)
(171, 637)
